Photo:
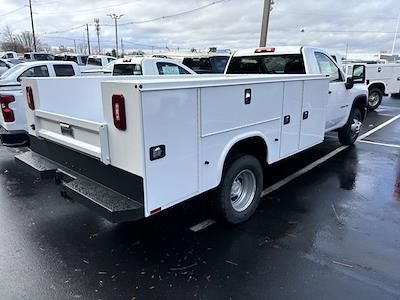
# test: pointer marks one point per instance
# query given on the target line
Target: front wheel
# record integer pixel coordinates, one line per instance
(348, 134)
(239, 192)
(374, 99)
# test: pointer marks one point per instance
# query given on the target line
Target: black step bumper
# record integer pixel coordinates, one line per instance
(15, 138)
(117, 203)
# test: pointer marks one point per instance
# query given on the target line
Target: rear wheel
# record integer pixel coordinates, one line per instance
(239, 192)
(348, 134)
(374, 98)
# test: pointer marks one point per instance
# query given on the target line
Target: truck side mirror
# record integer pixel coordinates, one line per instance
(349, 83)
(358, 74)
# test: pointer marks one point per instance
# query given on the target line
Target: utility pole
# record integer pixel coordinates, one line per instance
(97, 26)
(265, 21)
(116, 17)
(75, 45)
(33, 27)
(395, 35)
(88, 41)
(122, 47)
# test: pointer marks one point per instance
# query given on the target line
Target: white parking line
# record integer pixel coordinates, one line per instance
(380, 144)
(316, 163)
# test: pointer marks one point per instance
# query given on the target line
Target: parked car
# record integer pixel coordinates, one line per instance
(380, 79)
(148, 143)
(141, 65)
(13, 121)
(80, 59)
(98, 61)
(38, 56)
(207, 64)
(9, 54)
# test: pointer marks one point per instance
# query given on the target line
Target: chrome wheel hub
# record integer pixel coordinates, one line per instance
(243, 190)
(356, 127)
(373, 99)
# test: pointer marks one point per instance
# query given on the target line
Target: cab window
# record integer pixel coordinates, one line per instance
(165, 68)
(327, 67)
(38, 71)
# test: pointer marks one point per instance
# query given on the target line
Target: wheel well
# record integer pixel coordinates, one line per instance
(380, 86)
(255, 146)
(361, 103)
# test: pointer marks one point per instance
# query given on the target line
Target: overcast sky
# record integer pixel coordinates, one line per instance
(366, 26)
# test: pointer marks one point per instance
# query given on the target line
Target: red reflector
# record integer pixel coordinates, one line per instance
(264, 50)
(154, 211)
(29, 98)
(8, 113)
(118, 108)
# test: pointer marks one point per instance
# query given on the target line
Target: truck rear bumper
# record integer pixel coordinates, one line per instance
(112, 193)
(14, 138)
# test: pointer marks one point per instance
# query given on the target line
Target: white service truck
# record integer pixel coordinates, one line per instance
(381, 80)
(13, 131)
(150, 143)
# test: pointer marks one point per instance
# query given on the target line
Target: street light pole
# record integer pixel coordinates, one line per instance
(88, 39)
(33, 28)
(265, 21)
(116, 17)
(395, 35)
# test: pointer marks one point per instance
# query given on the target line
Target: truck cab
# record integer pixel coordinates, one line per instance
(98, 61)
(343, 94)
(38, 56)
(140, 65)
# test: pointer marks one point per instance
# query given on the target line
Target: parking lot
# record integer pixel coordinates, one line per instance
(326, 230)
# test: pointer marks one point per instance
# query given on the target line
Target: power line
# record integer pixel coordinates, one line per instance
(172, 15)
(13, 11)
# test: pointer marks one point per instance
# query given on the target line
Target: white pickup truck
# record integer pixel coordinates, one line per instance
(149, 143)
(346, 101)
(381, 79)
(12, 119)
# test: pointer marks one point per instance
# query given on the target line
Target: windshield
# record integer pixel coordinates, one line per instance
(267, 64)
(127, 69)
(13, 72)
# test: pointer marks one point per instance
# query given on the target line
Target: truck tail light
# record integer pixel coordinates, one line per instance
(8, 113)
(264, 50)
(118, 108)
(29, 98)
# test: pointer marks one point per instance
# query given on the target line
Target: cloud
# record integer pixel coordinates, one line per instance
(363, 26)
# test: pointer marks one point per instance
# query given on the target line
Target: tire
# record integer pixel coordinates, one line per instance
(348, 134)
(374, 99)
(239, 193)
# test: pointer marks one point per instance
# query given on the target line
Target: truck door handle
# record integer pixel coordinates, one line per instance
(286, 120)
(330, 92)
(247, 96)
(305, 115)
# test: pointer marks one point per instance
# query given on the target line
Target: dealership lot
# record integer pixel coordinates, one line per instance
(329, 233)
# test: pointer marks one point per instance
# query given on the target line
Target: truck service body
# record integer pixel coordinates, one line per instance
(13, 131)
(380, 79)
(149, 143)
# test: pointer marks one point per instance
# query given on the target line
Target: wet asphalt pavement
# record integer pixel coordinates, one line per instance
(333, 233)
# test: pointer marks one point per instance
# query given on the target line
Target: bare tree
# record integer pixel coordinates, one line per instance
(21, 42)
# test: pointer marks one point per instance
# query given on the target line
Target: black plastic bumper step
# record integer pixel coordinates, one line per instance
(36, 164)
(110, 204)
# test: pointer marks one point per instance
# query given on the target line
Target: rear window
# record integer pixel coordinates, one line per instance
(94, 61)
(64, 70)
(43, 56)
(267, 64)
(127, 69)
(84, 59)
(27, 56)
(219, 63)
(58, 57)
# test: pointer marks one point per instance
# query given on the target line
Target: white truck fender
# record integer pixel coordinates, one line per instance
(235, 140)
